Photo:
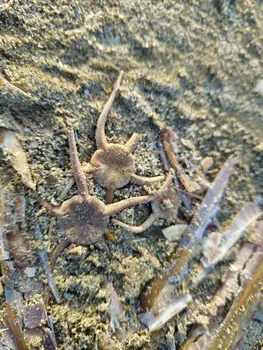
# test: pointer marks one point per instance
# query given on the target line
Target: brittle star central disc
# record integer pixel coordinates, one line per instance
(115, 165)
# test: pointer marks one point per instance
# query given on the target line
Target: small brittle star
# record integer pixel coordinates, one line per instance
(84, 218)
(164, 206)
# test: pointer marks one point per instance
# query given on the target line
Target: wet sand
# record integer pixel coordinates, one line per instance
(193, 66)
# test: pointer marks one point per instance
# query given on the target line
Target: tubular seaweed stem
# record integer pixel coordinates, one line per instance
(227, 334)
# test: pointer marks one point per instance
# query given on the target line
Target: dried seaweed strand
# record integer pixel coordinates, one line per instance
(209, 206)
(241, 312)
(191, 237)
(17, 157)
(202, 218)
(167, 136)
(12, 325)
(43, 256)
(17, 247)
(4, 255)
(230, 285)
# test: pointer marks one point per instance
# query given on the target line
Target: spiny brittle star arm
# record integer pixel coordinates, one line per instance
(132, 142)
(115, 208)
(138, 229)
(143, 180)
(76, 166)
(100, 131)
(55, 210)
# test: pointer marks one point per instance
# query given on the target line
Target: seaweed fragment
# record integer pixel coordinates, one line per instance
(43, 256)
(160, 288)
(213, 253)
(117, 312)
(231, 331)
(172, 146)
(242, 286)
(168, 307)
(11, 146)
(13, 327)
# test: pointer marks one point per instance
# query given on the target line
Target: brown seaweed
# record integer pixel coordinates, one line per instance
(242, 285)
(193, 234)
(246, 216)
(17, 247)
(12, 147)
(168, 306)
(12, 325)
(231, 331)
(216, 245)
(171, 141)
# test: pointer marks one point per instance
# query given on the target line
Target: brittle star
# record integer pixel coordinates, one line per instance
(165, 206)
(84, 218)
(112, 164)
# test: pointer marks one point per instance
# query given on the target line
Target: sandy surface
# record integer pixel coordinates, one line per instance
(191, 65)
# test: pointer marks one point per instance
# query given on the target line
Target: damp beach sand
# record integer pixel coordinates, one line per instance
(194, 66)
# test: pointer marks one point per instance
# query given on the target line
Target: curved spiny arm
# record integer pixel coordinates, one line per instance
(167, 183)
(71, 182)
(76, 167)
(138, 229)
(100, 131)
(55, 210)
(115, 208)
(132, 143)
(144, 180)
(57, 251)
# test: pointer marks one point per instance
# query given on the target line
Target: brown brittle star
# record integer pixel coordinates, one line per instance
(84, 218)
(165, 206)
(112, 164)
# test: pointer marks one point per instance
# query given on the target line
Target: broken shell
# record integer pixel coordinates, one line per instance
(174, 233)
(34, 315)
